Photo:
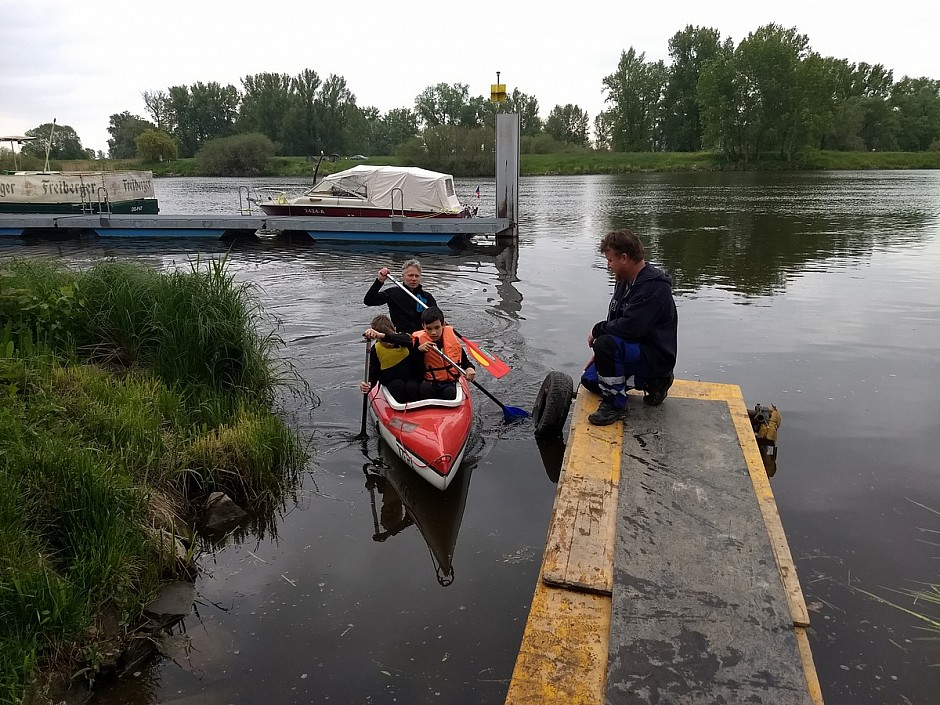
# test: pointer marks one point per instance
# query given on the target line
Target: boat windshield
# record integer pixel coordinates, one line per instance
(342, 187)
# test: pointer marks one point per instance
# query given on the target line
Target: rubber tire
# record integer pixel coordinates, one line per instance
(552, 404)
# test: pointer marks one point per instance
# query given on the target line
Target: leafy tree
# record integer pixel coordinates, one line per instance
(395, 128)
(568, 124)
(603, 125)
(917, 102)
(202, 112)
(526, 106)
(727, 105)
(473, 114)
(155, 146)
(635, 92)
(770, 93)
(239, 155)
(769, 60)
(335, 105)
(158, 107)
(442, 104)
(452, 149)
(689, 50)
(360, 129)
(301, 124)
(265, 102)
(65, 143)
(124, 129)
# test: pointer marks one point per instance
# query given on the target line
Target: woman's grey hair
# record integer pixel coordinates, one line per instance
(411, 263)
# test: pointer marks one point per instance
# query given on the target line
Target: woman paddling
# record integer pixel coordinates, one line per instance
(403, 309)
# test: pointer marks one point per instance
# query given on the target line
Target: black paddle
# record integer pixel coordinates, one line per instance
(365, 397)
(510, 413)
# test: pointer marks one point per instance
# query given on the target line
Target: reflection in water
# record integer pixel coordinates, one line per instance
(409, 500)
(552, 451)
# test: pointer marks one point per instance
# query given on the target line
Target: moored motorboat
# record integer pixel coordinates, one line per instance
(431, 435)
(374, 192)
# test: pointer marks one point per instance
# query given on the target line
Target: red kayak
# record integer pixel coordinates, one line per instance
(430, 435)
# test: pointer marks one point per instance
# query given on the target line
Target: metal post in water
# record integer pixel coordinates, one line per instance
(507, 172)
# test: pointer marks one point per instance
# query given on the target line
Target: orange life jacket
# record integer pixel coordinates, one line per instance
(436, 368)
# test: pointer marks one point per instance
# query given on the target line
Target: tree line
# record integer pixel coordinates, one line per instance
(770, 95)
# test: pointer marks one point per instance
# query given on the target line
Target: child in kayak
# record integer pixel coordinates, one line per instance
(440, 376)
(394, 361)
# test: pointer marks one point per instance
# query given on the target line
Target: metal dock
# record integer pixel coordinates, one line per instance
(667, 577)
(396, 230)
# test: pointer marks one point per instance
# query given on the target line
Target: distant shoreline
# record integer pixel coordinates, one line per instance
(570, 164)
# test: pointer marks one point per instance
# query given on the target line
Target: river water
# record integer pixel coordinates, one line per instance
(817, 292)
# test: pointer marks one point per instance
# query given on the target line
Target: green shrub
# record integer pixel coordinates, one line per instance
(156, 146)
(240, 155)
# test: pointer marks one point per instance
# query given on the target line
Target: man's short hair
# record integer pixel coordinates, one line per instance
(411, 263)
(623, 242)
(383, 324)
(431, 314)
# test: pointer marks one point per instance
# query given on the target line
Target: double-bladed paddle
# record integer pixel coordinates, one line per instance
(485, 358)
(509, 412)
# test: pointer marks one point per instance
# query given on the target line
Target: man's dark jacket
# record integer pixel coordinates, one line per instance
(645, 313)
(403, 310)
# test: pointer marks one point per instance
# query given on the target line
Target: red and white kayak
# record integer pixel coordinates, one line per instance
(431, 435)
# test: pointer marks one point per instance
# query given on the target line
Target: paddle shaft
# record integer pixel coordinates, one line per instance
(472, 381)
(491, 363)
(365, 397)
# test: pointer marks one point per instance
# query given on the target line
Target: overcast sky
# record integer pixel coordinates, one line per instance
(81, 62)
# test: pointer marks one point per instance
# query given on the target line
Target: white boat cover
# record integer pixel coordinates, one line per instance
(378, 186)
(75, 186)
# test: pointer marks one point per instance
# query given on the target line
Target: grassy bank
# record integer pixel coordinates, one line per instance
(580, 163)
(126, 395)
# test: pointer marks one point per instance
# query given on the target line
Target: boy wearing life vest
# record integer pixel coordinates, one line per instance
(440, 376)
(394, 361)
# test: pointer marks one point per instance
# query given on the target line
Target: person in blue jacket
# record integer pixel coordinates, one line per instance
(638, 339)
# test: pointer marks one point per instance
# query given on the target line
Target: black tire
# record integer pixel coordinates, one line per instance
(552, 404)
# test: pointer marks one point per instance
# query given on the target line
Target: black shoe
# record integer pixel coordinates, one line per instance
(657, 390)
(606, 414)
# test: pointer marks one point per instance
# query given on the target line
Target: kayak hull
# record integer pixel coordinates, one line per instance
(430, 436)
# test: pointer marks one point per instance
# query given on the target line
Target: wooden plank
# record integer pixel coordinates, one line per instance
(768, 508)
(592, 451)
(580, 550)
(809, 666)
(580, 543)
(563, 657)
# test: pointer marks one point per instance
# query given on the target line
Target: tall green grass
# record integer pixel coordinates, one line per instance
(118, 384)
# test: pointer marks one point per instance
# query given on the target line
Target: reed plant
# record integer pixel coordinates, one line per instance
(923, 602)
(119, 384)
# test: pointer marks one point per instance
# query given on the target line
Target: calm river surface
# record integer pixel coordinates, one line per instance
(817, 292)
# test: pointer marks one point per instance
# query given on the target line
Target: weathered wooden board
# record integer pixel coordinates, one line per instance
(563, 657)
(580, 545)
(580, 549)
(699, 613)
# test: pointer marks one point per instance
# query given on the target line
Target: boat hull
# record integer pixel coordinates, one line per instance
(430, 439)
(141, 206)
(78, 192)
(290, 209)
